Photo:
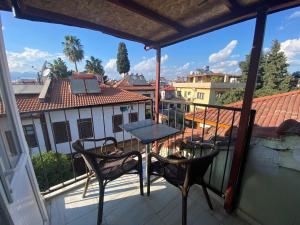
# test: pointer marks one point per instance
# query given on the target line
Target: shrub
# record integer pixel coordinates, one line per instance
(51, 167)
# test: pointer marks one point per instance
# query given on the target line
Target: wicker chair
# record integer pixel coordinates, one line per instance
(109, 166)
(181, 172)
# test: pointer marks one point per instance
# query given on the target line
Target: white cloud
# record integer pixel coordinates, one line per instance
(111, 65)
(291, 49)
(295, 15)
(223, 53)
(227, 66)
(28, 59)
(147, 66)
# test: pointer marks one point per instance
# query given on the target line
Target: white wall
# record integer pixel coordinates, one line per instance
(39, 134)
(73, 115)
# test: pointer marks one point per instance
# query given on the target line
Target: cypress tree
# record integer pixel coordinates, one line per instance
(123, 64)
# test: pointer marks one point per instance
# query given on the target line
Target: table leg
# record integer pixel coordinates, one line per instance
(148, 150)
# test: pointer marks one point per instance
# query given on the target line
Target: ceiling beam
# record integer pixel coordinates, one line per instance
(236, 16)
(232, 4)
(36, 14)
(148, 13)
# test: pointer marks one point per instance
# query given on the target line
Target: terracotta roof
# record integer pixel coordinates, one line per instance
(271, 112)
(169, 88)
(62, 98)
(125, 85)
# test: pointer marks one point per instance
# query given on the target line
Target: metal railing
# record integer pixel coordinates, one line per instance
(55, 162)
(57, 166)
(203, 123)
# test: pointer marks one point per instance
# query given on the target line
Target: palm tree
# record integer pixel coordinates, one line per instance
(93, 65)
(73, 49)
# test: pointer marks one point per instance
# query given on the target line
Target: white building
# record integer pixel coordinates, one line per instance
(55, 114)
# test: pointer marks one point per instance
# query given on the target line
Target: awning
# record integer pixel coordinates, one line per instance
(154, 23)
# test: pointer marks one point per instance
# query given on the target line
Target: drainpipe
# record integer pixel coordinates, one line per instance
(232, 191)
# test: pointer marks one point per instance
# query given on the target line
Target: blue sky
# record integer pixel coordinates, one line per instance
(29, 44)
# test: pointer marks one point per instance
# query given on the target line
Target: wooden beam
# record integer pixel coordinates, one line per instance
(232, 4)
(241, 142)
(148, 13)
(36, 14)
(237, 16)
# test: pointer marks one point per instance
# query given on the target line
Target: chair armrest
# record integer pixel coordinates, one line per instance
(166, 160)
(106, 139)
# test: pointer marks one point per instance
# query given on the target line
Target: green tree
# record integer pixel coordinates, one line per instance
(233, 95)
(123, 64)
(59, 68)
(275, 77)
(272, 77)
(73, 49)
(51, 168)
(93, 65)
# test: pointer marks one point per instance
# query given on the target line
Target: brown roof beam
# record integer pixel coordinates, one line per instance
(232, 4)
(235, 16)
(148, 13)
(36, 14)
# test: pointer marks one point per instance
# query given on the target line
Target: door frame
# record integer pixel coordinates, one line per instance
(9, 101)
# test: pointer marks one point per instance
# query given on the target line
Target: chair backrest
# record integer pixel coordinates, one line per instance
(200, 165)
(89, 158)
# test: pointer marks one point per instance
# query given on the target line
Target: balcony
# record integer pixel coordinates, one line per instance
(122, 202)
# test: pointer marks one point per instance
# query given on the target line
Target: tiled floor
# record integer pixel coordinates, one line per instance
(124, 206)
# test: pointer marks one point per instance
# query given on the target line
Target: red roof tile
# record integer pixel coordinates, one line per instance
(271, 112)
(125, 85)
(61, 98)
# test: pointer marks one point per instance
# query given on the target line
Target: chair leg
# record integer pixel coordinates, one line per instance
(86, 185)
(141, 178)
(207, 196)
(184, 208)
(100, 204)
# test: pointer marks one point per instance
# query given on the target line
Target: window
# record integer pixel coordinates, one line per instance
(117, 121)
(178, 106)
(61, 132)
(179, 94)
(85, 128)
(185, 94)
(133, 117)
(200, 95)
(30, 136)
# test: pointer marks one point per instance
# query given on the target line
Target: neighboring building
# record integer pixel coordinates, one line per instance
(205, 86)
(61, 110)
(167, 93)
(138, 84)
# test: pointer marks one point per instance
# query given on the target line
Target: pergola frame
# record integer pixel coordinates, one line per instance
(238, 13)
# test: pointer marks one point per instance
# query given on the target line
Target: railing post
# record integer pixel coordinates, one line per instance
(232, 190)
(157, 83)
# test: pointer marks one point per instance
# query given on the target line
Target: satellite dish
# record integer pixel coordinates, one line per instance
(46, 72)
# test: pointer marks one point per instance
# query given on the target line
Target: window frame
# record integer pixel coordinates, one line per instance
(130, 117)
(115, 127)
(29, 137)
(85, 122)
(61, 140)
(200, 95)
